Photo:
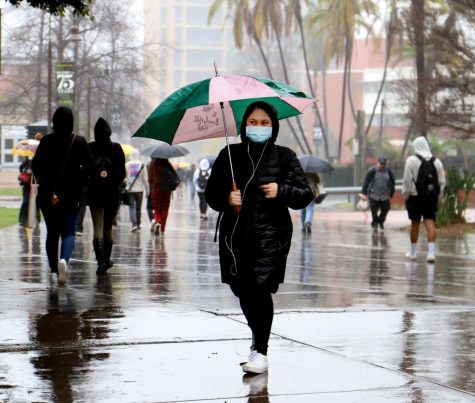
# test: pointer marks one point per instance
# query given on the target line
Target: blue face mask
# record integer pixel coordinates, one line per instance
(258, 134)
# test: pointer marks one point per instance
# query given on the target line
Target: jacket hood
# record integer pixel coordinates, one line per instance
(421, 146)
(204, 164)
(134, 155)
(63, 120)
(102, 131)
(270, 110)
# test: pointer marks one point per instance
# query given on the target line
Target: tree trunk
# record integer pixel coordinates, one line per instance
(348, 56)
(342, 112)
(389, 45)
(418, 19)
(37, 110)
(269, 71)
(310, 84)
(286, 76)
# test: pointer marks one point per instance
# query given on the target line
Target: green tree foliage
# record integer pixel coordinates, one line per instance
(58, 7)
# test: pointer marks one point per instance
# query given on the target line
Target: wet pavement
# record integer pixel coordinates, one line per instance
(355, 321)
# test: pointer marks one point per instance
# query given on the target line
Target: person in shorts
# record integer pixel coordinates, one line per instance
(419, 207)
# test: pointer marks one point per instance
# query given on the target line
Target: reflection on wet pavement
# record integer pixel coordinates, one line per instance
(349, 290)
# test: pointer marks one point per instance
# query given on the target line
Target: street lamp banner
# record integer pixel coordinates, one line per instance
(65, 84)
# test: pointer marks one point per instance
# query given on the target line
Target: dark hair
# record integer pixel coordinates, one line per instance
(102, 130)
(269, 109)
(63, 120)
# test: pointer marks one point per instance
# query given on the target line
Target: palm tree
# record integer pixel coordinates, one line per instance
(338, 21)
(252, 23)
(294, 8)
(268, 21)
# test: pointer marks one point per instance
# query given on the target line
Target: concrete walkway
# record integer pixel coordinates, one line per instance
(355, 322)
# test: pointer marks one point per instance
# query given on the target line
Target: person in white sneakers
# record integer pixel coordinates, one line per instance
(255, 227)
(423, 185)
(63, 164)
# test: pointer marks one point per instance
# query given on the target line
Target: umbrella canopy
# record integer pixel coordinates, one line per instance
(127, 149)
(25, 148)
(166, 151)
(312, 164)
(194, 111)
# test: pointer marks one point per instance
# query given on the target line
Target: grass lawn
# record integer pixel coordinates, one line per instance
(10, 192)
(8, 216)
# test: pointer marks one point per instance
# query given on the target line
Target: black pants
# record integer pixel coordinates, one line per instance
(381, 206)
(203, 203)
(258, 308)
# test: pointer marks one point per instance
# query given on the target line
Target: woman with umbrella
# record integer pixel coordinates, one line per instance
(163, 180)
(255, 228)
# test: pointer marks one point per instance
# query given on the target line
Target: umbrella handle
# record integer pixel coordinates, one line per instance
(237, 209)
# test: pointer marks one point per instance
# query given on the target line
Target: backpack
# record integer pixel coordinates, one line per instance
(427, 183)
(105, 168)
(202, 180)
(172, 179)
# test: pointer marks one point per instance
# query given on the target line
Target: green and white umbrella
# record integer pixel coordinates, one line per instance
(194, 111)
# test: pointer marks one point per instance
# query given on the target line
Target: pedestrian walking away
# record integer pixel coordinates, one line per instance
(163, 180)
(378, 187)
(255, 228)
(200, 181)
(306, 214)
(137, 186)
(104, 192)
(62, 164)
(423, 184)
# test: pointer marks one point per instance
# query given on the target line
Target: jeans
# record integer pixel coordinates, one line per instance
(60, 223)
(306, 214)
(135, 208)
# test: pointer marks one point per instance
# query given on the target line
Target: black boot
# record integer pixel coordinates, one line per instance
(98, 244)
(107, 253)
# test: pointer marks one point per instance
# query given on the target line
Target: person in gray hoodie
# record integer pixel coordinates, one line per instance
(420, 206)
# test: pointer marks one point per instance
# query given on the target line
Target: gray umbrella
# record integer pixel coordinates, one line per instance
(312, 164)
(165, 151)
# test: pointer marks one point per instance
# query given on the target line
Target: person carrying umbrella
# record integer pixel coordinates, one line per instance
(255, 228)
(163, 180)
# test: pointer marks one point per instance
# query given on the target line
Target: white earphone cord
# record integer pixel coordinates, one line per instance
(233, 268)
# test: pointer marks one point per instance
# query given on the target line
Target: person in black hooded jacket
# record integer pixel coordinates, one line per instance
(254, 242)
(63, 165)
(104, 191)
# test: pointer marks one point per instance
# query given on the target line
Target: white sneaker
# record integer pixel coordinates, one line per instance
(53, 278)
(430, 258)
(63, 270)
(152, 226)
(257, 363)
(135, 228)
(411, 256)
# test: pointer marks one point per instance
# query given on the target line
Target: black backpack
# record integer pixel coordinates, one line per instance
(106, 171)
(203, 178)
(427, 183)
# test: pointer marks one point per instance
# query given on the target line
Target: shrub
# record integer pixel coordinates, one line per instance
(453, 205)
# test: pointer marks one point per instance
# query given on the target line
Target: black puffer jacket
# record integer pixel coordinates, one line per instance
(62, 167)
(253, 246)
